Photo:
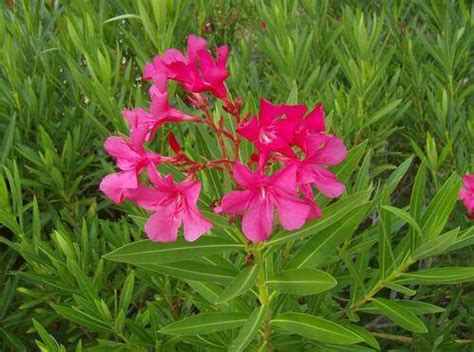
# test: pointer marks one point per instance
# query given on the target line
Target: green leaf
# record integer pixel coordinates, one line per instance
(8, 137)
(205, 323)
(405, 216)
(416, 201)
(400, 315)
(127, 291)
(249, 330)
(318, 248)
(415, 307)
(302, 281)
(193, 270)
(438, 276)
(396, 176)
(436, 246)
(437, 214)
(242, 282)
(399, 288)
(147, 252)
(49, 341)
(332, 214)
(316, 328)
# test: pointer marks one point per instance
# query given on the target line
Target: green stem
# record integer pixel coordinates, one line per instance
(380, 284)
(264, 297)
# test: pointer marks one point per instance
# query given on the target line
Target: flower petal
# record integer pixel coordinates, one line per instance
(234, 202)
(163, 225)
(292, 211)
(327, 183)
(114, 185)
(332, 151)
(243, 176)
(257, 222)
(194, 224)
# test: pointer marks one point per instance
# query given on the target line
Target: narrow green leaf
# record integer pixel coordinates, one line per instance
(147, 252)
(415, 307)
(205, 323)
(439, 276)
(400, 315)
(302, 281)
(332, 214)
(437, 214)
(242, 282)
(316, 328)
(127, 291)
(249, 330)
(436, 246)
(399, 288)
(193, 270)
(405, 216)
(318, 248)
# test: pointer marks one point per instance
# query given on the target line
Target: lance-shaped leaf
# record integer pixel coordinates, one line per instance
(194, 270)
(438, 276)
(316, 328)
(241, 283)
(302, 281)
(318, 248)
(437, 245)
(249, 330)
(331, 215)
(205, 323)
(415, 307)
(400, 315)
(147, 252)
(436, 215)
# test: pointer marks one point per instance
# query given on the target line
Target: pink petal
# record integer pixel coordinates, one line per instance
(222, 56)
(332, 153)
(195, 44)
(315, 121)
(257, 222)
(234, 202)
(292, 211)
(269, 112)
(243, 176)
(191, 190)
(327, 183)
(146, 197)
(194, 224)
(250, 130)
(163, 225)
(114, 185)
(285, 179)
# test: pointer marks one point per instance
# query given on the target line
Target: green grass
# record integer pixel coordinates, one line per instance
(397, 74)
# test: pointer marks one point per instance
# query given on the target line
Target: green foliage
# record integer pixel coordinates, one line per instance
(388, 266)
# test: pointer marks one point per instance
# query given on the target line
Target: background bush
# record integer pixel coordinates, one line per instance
(396, 78)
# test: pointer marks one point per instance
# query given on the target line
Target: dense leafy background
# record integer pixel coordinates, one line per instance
(396, 76)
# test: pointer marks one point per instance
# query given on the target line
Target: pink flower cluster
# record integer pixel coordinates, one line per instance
(292, 154)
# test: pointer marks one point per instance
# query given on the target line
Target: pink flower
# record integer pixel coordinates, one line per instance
(198, 71)
(173, 205)
(261, 196)
(466, 195)
(131, 159)
(273, 128)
